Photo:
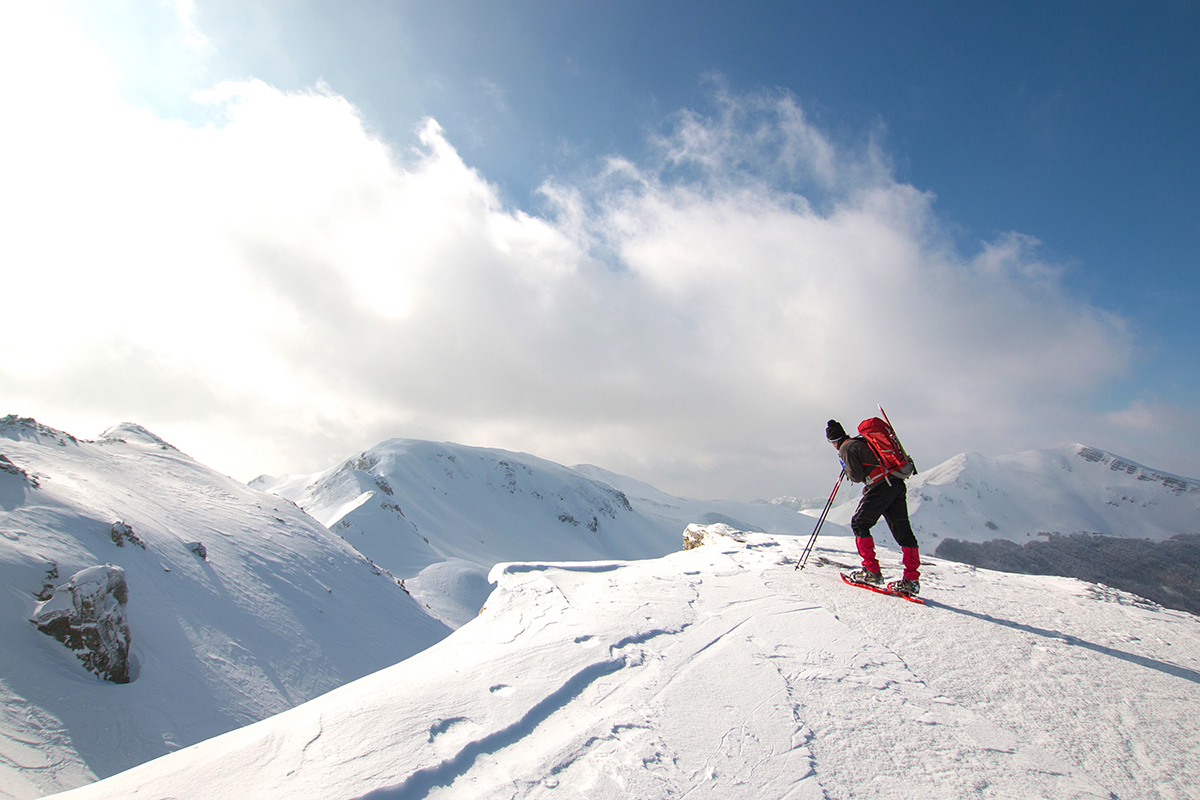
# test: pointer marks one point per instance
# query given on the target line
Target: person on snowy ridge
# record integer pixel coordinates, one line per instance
(883, 498)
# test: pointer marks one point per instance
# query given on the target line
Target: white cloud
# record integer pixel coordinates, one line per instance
(277, 288)
(189, 32)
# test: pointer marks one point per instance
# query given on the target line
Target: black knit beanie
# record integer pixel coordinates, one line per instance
(834, 431)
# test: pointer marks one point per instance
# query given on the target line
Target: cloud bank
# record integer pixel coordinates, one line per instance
(277, 287)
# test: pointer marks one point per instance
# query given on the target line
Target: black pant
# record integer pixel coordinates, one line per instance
(889, 501)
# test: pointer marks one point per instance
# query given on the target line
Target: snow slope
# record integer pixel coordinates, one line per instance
(440, 515)
(676, 513)
(408, 504)
(281, 611)
(722, 672)
(1065, 490)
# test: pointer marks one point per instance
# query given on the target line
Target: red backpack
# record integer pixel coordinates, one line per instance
(888, 450)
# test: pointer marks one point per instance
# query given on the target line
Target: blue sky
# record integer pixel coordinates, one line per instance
(670, 200)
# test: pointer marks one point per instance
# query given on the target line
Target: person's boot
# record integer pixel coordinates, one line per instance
(866, 577)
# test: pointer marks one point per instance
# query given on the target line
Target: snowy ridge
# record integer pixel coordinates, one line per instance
(440, 515)
(132, 433)
(722, 672)
(273, 610)
(1070, 489)
(410, 503)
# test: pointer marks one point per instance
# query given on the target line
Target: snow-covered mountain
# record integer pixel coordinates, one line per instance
(239, 604)
(625, 669)
(1071, 489)
(723, 672)
(440, 515)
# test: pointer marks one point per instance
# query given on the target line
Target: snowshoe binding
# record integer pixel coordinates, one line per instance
(905, 587)
(865, 577)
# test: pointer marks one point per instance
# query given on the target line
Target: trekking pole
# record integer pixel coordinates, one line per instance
(808, 548)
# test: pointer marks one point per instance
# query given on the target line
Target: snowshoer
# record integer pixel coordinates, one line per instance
(882, 498)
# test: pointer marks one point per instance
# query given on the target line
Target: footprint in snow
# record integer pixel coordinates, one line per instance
(443, 725)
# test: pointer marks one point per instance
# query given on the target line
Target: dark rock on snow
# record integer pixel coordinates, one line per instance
(88, 615)
(122, 532)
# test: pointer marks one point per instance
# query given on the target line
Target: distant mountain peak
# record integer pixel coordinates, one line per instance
(1065, 457)
(132, 433)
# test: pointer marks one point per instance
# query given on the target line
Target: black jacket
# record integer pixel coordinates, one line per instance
(858, 458)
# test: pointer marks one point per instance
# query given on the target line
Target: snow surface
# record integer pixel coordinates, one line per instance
(281, 611)
(722, 672)
(1071, 489)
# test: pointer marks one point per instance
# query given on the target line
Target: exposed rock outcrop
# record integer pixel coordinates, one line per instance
(122, 532)
(6, 465)
(88, 615)
(697, 535)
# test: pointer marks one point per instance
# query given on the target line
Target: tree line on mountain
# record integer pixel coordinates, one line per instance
(1166, 572)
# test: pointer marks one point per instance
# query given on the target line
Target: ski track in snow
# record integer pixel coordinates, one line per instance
(722, 672)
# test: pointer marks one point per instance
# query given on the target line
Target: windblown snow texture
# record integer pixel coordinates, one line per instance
(722, 672)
